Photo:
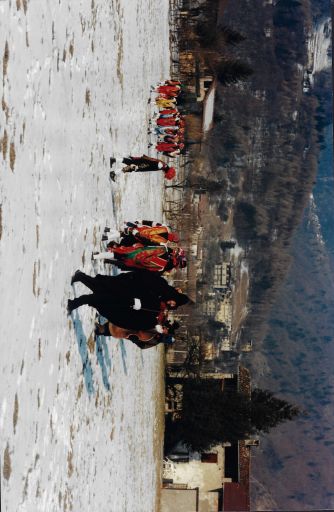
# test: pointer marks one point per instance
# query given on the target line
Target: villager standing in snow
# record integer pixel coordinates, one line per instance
(169, 91)
(143, 163)
(168, 121)
(170, 149)
(165, 103)
(169, 112)
(168, 130)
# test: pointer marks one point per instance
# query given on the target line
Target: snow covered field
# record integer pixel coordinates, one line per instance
(78, 422)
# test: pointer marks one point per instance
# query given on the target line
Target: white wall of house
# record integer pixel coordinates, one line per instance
(195, 473)
(207, 476)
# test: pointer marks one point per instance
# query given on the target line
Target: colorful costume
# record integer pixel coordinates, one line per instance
(151, 258)
(168, 90)
(169, 112)
(167, 121)
(155, 235)
(165, 103)
(167, 147)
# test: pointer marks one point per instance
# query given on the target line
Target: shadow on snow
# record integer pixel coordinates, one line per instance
(82, 345)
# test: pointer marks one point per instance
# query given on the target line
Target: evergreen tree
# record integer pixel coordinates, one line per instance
(211, 416)
(267, 411)
(232, 71)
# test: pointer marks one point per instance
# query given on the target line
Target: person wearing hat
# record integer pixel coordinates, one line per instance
(142, 257)
(130, 300)
(147, 235)
(143, 163)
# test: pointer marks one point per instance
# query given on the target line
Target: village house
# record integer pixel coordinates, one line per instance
(222, 276)
(224, 313)
(214, 481)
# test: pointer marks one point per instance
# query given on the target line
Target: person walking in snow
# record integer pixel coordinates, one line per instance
(131, 300)
(146, 235)
(143, 163)
(153, 258)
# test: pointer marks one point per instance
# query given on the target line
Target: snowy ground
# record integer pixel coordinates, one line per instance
(77, 420)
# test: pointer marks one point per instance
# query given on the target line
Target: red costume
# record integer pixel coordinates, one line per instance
(167, 121)
(167, 147)
(168, 90)
(168, 111)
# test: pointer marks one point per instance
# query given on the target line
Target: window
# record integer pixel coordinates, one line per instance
(209, 457)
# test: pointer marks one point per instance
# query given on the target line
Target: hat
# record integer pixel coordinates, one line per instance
(170, 173)
(173, 237)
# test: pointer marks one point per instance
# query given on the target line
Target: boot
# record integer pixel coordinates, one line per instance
(76, 303)
(81, 277)
(112, 161)
(102, 330)
(76, 276)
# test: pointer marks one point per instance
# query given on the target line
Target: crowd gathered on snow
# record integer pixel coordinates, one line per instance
(137, 303)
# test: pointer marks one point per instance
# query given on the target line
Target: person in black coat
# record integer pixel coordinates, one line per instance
(143, 163)
(131, 300)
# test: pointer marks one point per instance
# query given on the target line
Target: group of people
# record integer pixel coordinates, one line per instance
(170, 128)
(137, 303)
(143, 246)
(170, 124)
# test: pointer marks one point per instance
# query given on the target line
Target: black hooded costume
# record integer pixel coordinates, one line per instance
(114, 297)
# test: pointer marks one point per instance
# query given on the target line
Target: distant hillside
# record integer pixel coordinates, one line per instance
(266, 138)
(296, 360)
